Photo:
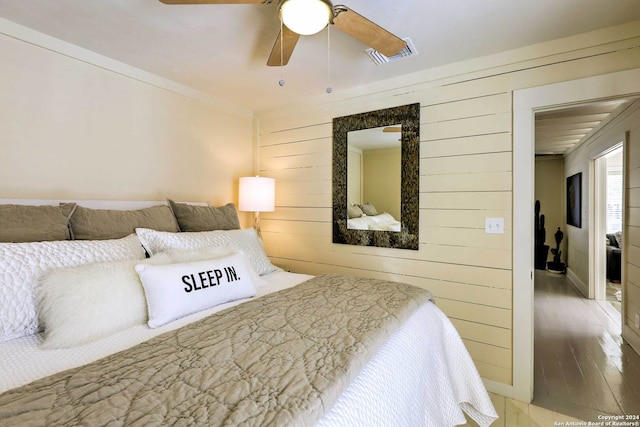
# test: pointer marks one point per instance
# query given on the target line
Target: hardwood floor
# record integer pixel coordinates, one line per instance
(513, 413)
(614, 295)
(583, 368)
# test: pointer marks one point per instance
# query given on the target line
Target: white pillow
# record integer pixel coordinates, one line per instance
(22, 264)
(361, 223)
(180, 256)
(82, 304)
(384, 217)
(246, 240)
(177, 290)
(384, 221)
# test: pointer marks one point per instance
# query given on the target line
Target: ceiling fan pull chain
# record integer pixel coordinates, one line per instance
(329, 89)
(281, 81)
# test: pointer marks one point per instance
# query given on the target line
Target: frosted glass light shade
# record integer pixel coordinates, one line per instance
(257, 194)
(305, 17)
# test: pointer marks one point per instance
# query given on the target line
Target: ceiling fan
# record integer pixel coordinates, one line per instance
(305, 17)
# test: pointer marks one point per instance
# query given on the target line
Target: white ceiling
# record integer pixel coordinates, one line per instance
(376, 138)
(560, 131)
(222, 50)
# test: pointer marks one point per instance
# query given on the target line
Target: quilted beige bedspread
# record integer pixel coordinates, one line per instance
(282, 359)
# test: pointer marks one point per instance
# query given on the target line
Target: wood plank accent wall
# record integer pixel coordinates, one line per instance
(631, 242)
(465, 175)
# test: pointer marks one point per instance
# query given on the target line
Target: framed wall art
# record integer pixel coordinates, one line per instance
(574, 200)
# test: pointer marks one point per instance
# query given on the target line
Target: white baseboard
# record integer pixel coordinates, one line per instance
(577, 283)
(507, 390)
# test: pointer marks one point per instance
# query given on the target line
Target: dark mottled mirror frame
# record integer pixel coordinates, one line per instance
(409, 117)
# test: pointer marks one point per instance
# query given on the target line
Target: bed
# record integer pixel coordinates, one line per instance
(366, 217)
(383, 222)
(109, 345)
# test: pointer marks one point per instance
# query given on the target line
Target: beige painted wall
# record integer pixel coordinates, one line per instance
(382, 172)
(549, 189)
(354, 177)
(70, 129)
(466, 175)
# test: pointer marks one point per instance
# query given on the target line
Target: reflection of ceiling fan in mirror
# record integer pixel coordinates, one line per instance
(304, 17)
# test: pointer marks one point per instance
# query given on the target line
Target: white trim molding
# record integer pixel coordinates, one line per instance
(582, 287)
(44, 41)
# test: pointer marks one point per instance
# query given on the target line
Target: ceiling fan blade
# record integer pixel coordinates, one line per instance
(392, 129)
(289, 40)
(369, 33)
(211, 1)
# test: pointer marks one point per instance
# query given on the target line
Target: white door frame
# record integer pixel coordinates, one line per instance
(598, 188)
(526, 103)
(597, 250)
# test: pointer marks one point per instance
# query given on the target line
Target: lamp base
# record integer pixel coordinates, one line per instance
(256, 223)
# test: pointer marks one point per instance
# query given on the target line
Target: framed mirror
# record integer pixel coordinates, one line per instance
(376, 177)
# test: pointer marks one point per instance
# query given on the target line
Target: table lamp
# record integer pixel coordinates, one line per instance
(257, 194)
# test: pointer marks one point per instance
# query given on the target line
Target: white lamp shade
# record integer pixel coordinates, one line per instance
(305, 17)
(257, 194)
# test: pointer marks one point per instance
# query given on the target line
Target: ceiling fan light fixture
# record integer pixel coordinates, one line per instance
(305, 17)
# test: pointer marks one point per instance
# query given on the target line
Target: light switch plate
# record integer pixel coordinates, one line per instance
(494, 225)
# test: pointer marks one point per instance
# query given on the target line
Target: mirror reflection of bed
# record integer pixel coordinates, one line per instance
(374, 178)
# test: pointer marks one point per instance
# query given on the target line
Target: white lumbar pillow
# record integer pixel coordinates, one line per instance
(176, 290)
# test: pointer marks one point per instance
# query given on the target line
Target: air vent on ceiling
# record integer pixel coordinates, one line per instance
(378, 58)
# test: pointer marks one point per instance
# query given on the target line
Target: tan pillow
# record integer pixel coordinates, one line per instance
(369, 209)
(23, 223)
(354, 211)
(205, 218)
(102, 224)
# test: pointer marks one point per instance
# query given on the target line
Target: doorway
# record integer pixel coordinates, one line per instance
(571, 314)
(525, 103)
(608, 199)
(577, 336)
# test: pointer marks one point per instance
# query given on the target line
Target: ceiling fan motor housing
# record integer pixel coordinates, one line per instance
(305, 17)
